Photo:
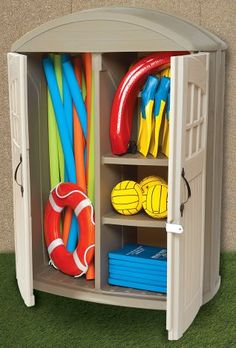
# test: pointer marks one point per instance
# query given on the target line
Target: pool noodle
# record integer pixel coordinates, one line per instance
(90, 274)
(78, 135)
(87, 63)
(52, 142)
(91, 158)
(80, 173)
(61, 162)
(75, 92)
(67, 101)
(79, 141)
(83, 86)
(69, 227)
(60, 118)
(58, 71)
(78, 70)
(90, 142)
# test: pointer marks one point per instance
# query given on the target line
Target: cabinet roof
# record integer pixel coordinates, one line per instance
(116, 30)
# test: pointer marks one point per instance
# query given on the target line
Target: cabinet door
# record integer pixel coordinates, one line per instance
(17, 78)
(186, 205)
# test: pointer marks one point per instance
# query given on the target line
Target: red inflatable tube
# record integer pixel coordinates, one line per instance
(76, 263)
(126, 98)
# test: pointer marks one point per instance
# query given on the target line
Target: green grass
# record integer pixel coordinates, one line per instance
(60, 322)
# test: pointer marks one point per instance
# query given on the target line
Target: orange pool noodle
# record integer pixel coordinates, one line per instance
(87, 63)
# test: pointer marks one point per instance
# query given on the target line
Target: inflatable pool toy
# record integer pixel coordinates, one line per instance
(159, 108)
(126, 197)
(126, 96)
(76, 263)
(146, 119)
(155, 200)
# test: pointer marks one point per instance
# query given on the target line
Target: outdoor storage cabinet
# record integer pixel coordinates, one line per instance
(116, 37)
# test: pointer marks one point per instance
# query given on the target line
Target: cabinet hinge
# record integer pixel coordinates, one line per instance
(174, 228)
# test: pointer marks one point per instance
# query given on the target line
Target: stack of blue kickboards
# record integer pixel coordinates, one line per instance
(139, 266)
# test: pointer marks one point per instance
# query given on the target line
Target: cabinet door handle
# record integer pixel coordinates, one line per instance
(189, 192)
(15, 176)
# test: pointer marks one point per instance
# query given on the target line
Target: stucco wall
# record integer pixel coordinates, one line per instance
(18, 17)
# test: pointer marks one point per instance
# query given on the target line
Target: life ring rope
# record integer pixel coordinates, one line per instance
(79, 264)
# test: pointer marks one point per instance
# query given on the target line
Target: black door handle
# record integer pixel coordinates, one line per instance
(15, 176)
(189, 192)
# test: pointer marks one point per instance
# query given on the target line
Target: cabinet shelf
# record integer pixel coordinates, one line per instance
(135, 159)
(138, 220)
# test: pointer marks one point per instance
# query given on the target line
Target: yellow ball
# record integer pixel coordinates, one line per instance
(155, 199)
(126, 197)
(150, 181)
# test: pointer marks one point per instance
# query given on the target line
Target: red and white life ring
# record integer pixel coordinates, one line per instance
(76, 263)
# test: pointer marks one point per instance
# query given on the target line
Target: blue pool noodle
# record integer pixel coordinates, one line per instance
(75, 92)
(73, 235)
(64, 135)
(77, 97)
(68, 107)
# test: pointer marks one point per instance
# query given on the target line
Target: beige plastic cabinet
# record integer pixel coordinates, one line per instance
(116, 37)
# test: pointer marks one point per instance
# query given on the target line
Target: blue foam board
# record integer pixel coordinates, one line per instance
(140, 254)
(131, 275)
(125, 277)
(139, 270)
(138, 266)
(139, 286)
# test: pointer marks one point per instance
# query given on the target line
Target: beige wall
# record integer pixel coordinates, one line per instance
(17, 17)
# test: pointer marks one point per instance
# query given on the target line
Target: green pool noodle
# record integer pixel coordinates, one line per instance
(58, 71)
(91, 150)
(53, 150)
(83, 86)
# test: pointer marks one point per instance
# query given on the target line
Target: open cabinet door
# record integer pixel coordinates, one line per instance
(186, 198)
(17, 77)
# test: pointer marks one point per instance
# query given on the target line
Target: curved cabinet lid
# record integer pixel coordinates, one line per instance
(118, 30)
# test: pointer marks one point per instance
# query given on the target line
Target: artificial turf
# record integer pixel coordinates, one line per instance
(60, 322)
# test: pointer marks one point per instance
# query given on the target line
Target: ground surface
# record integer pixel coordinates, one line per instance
(60, 322)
